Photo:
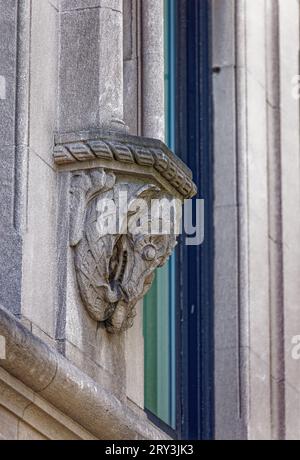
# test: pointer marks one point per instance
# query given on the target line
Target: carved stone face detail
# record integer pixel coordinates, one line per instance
(114, 271)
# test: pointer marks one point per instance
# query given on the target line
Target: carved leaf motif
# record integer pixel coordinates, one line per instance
(114, 271)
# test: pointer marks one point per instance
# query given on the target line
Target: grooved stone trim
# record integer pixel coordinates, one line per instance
(74, 149)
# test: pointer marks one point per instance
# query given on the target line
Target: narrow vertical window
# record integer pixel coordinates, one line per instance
(159, 304)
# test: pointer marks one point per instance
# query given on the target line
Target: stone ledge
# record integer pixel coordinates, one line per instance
(111, 147)
(29, 409)
(50, 375)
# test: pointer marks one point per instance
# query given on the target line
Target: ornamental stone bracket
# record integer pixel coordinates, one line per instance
(114, 270)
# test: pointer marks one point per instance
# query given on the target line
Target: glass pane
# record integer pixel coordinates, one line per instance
(159, 304)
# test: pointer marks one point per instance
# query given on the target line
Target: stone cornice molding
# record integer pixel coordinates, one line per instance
(124, 153)
(54, 378)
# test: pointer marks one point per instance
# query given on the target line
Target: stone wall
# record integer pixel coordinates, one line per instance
(256, 56)
(81, 65)
(68, 66)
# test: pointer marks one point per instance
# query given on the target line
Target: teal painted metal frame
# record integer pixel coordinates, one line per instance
(170, 85)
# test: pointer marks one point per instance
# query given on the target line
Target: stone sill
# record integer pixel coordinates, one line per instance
(53, 378)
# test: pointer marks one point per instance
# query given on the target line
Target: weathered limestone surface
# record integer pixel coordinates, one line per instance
(245, 320)
(91, 97)
(91, 65)
(132, 65)
(11, 244)
(39, 251)
(142, 167)
(230, 417)
(47, 373)
(290, 164)
(257, 198)
(62, 69)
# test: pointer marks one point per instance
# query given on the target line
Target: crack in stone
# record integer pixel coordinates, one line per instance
(75, 10)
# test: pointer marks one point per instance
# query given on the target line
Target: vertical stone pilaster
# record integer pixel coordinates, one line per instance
(90, 98)
(153, 115)
(39, 239)
(22, 113)
(267, 184)
(14, 28)
(91, 65)
(132, 65)
(289, 38)
(275, 219)
(111, 64)
(229, 386)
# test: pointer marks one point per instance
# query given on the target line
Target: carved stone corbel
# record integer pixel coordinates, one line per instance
(115, 269)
